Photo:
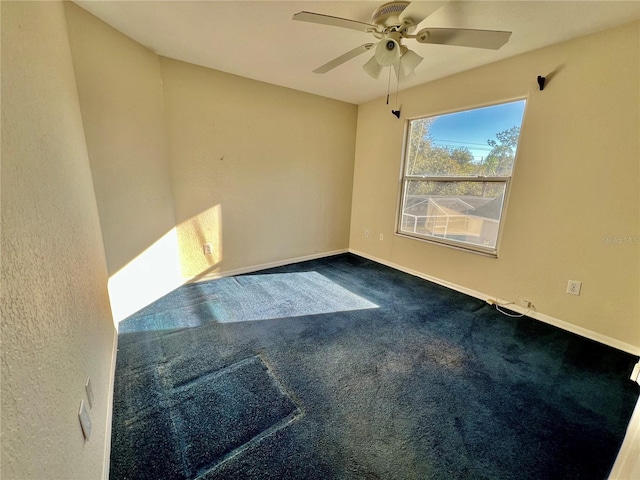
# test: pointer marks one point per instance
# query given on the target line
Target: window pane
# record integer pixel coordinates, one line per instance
(475, 142)
(466, 212)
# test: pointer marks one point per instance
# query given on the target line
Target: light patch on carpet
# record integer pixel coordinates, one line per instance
(253, 297)
(283, 295)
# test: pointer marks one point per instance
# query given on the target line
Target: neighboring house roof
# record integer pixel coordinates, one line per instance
(490, 209)
(462, 205)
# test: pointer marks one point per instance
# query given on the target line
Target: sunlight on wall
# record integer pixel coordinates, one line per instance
(149, 276)
(193, 234)
(177, 257)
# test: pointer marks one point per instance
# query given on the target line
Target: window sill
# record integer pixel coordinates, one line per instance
(455, 246)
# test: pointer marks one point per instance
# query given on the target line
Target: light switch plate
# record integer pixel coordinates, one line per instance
(89, 389)
(85, 420)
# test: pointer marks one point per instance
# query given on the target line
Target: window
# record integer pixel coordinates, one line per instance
(456, 175)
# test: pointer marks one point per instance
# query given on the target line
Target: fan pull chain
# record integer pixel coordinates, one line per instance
(388, 85)
(395, 112)
(397, 83)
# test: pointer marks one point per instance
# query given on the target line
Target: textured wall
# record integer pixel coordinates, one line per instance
(120, 92)
(261, 172)
(575, 184)
(56, 321)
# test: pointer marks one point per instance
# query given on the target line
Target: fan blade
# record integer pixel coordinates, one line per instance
(418, 11)
(490, 39)
(343, 58)
(333, 21)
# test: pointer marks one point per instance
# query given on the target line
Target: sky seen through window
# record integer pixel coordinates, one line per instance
(472, 128)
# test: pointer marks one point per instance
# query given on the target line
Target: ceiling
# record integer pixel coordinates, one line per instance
(258, 39)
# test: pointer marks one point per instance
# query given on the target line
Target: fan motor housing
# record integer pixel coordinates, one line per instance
(388, 15)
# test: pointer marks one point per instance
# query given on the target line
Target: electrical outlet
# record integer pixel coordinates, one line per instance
(573, 287)
(89, 389)
(526, 303)
(208, 249)
(366, 234)
(85, 421)
(381, 237)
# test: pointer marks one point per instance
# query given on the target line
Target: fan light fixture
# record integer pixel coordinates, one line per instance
(408, 63)
(394, 22)
(372, 67)
(389, 52)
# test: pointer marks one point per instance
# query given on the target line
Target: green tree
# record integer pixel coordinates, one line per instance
(427, 159)
(500, 159)
(419, 145)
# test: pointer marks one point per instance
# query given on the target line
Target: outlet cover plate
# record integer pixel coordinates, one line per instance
(573, 287)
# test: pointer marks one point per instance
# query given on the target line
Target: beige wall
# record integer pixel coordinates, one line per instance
(120, 93)
(264, 173)
(56, 323)
(576, 182)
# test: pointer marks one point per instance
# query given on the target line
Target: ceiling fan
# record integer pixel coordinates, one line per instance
(394, 22)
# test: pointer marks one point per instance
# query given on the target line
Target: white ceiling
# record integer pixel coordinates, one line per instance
(258, 39)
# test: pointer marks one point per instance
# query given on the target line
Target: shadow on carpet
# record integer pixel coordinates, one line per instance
(341, 368)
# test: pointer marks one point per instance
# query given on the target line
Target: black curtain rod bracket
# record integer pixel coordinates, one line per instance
(541, 81)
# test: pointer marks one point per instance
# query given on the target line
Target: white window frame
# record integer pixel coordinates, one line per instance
(405, 179)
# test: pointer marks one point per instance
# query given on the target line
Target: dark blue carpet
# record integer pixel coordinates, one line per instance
(341, 368)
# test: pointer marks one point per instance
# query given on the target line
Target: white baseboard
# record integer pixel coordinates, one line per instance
(627, 463)
(107, 443)
(264, 266)
(569, 327)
